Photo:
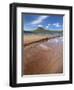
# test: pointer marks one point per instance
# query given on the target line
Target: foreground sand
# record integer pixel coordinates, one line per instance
(43, 57)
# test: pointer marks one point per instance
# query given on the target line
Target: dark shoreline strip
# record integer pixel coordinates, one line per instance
(41, 40)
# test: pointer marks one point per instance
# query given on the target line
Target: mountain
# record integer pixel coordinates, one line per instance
(41, 30)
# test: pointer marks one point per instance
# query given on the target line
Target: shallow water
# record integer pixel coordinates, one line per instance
(56, 42)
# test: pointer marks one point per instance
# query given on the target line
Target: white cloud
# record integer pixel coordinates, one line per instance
(57, 24)
(47, 27)
(39, 19)
(49, 24)
(40, 25)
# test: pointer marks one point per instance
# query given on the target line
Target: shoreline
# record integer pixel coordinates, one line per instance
(41, 40)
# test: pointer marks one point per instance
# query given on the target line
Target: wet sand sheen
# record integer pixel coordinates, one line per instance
(44, 58)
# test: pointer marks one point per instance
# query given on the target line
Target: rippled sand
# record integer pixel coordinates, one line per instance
(44, 58)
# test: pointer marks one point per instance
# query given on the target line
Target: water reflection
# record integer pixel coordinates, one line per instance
(52, 43)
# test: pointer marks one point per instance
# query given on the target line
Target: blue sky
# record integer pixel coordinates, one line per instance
(49, 22)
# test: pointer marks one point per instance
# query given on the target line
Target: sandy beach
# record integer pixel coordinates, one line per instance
(43, 57)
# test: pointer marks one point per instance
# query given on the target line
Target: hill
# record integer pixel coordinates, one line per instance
(41, 30)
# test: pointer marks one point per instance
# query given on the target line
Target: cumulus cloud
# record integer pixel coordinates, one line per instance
(57, 24)
(47, 27)
(40, 25)
(49, 24)
(39, 19)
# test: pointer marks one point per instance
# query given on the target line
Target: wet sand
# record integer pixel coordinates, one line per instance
(43, 58)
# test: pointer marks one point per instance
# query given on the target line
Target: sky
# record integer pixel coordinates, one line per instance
(48, 22)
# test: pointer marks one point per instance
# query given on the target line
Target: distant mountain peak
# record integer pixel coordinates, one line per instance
(40, 28)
